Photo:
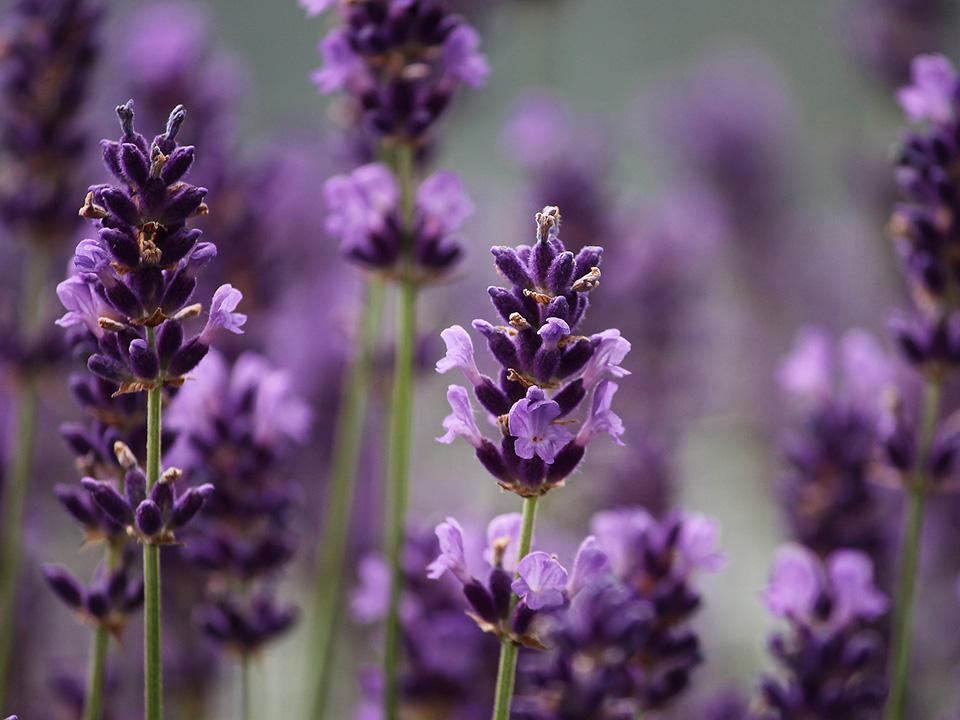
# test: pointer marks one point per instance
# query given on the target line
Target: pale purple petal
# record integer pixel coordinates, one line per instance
(602, 419)
(589, 566)
(867, 369)
(370, 600)
(531, 422)
(795, 582)
(807, 373)
(932, 94)
(452, 556)
(316, 7)
(460, 422)
(443, 201)
(855, 593)
(225, 300)
(698, 546)
(462, 57)
(341, 66)
(541, 581)
(459, 354)
(357, 204)
(553, 331)
(618, 532)
(81, 303)
(504, 531)
(610, 348)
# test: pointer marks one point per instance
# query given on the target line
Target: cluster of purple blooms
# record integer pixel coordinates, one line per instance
(138, 276)
(400, 62)
(235, 426)
(832, 654)
(48, 49)
(139, 273)
(624, 644)
(449, 667)
(926, 224)
(614, 630)
(547, 368)
(830, 487)
(365, 214)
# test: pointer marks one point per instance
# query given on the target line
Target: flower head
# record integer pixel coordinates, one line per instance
(531, 423)
(541, 581)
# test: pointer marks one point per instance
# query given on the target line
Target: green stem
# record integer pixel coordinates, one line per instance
(910, 555)
(351, 418)
(401, 426)
(153, 667)
(507, 668)
(93, 705)
(246, 688)
(21, 466)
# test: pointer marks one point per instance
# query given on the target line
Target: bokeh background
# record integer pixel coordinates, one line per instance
(806, 90)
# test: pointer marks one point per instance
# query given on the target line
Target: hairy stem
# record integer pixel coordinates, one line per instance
(351, 418)
(507, 668)
(153, 667)
(21, 465)
(910, 555)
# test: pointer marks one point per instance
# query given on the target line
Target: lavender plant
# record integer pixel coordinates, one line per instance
(399, 64)
(830, 486)
(547, 371)
(832, 656)
(921, 446)
(235, 426)
(48, 52)
(142, 268)
(624, 646)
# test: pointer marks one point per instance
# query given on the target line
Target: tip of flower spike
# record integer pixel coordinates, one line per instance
(175, 121)
(548, 222)
(125, 113)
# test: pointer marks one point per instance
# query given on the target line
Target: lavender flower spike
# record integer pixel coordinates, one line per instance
(832, 655)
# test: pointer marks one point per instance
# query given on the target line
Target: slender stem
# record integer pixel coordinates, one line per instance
(93, 705)
(153, 667)
(507, 668)
(93, 700)
(910, 555)
(401, 426)
(351, 418)
(21, 466)
(246, 689)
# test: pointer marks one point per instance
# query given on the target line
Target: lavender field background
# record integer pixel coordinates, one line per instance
(736, 158)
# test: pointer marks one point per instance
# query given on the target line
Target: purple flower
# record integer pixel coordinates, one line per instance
(443, 202)
(341, 66)
(799, 580)
(462, 57)
(503, 535)
(223, 315)
(459, 354)
(358, 203)
(316, 7)
(452, 557)
(590, 566)
(541, 581)
(602, 418)
(82, 305)
(460, 422)
(933, 94)
(531, 423)
(610, 350)
(553, 331)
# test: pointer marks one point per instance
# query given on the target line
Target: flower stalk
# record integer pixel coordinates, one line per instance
(917, 490)
(507, 667)
(351, 418)
(153, 666)
(15, 493)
